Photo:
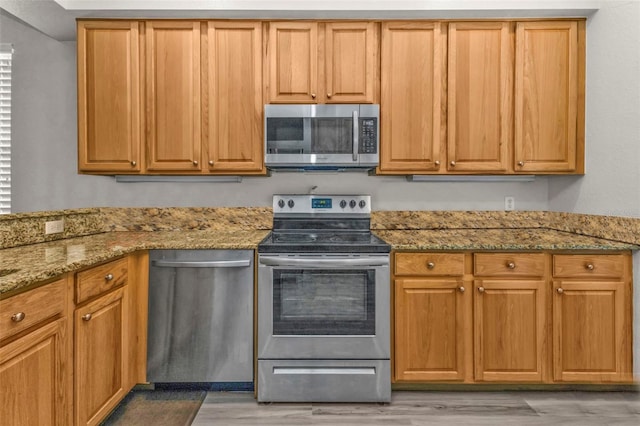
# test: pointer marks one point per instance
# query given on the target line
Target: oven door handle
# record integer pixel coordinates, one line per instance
(325, 263)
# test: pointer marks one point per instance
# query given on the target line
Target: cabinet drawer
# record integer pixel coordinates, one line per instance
(584, 265)
(20, 312)
(508, 264)
(429, 264)
(100, 279)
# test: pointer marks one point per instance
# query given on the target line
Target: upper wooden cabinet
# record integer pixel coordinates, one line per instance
(479, 121)
(234, 96)
(109, 106)
(173, 95)
(412, 69)
(549, 80)
(312, 62)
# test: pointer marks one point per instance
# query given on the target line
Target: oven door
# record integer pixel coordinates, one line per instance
(323, 307)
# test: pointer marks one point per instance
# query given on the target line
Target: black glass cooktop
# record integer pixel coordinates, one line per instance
(319, 241)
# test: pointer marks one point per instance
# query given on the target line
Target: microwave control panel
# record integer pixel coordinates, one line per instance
(368, 143)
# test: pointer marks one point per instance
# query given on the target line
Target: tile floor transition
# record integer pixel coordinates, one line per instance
(422, 408)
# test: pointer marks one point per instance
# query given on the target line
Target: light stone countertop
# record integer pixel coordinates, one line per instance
(43, 261)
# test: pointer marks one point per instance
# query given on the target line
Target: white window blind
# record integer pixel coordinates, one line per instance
(6, 52)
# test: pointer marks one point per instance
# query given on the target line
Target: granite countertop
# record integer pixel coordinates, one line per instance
(496, 239)
(43, 261)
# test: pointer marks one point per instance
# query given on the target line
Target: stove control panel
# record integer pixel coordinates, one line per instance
(322, 204)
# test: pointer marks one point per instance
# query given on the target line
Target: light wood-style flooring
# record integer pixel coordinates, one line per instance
(422, 408)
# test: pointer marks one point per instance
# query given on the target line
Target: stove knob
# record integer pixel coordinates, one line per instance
(352, 204)
(362, 204)
(281, 203)
(343, 204)
(291, 203)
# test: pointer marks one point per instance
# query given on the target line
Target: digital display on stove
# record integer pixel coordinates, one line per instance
(321, 203)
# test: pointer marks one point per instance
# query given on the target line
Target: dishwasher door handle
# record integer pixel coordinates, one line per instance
(201, 264)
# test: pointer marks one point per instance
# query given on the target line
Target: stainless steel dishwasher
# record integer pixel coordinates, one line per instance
(200, 316)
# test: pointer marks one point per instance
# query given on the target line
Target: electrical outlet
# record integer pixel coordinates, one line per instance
(54, 227)
(509, 203)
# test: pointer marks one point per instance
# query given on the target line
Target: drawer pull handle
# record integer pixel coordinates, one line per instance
(18, 317)
(480, 289)
(431, 265)
(560, 290)
(86, 317)
(461, 289)
(108, 277)
(511, 265)
(589, 266)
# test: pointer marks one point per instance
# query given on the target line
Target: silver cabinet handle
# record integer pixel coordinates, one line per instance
(17, 317)
(195, 162)
(133, 163)
(313, 95)
(437, 162)
(480, 289)
(108, 277)
(431, 265)
(511, 265)
(560, 290)
(356, 136)
(589, 266)
(201, 264)
(336, 263)
(211, 162)
(520, 163)
(461, 289)
(86, 317)
(453, 163)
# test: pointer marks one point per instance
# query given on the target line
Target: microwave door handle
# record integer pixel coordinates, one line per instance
(356, 132)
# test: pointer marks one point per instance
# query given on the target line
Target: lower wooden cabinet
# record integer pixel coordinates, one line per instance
(430, 326)
(512, 317)
(34, 367)
(100, 356)
(592, 319)
(31, 376)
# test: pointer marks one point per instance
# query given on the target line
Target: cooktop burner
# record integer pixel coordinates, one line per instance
(321, 224)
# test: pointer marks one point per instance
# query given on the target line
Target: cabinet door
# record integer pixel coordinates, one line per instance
(173, 95)
(109, 107)
(430, 326)
(351, 57)
(292, 53)
(235, 96)
(480, 89)
(510, 329)
(31, 374)
(100, 364)
(591, 334)
(546, 96)
(412, 67)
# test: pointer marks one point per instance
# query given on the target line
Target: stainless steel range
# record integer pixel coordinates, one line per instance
(323, 303)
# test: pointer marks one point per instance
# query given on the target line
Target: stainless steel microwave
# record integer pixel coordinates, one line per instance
(316, 137)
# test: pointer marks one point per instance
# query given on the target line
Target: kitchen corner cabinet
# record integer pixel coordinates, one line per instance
(510, 317)
(413, 58)
(549, 97)
(432, 320)
(322, 62)
(173, 96)
(34, 365)
(109, 104)
(592, 318)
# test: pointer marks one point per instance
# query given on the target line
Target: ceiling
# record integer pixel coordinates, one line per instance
(56, 18)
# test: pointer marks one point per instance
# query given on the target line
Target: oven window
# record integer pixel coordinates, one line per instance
(323, 302)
